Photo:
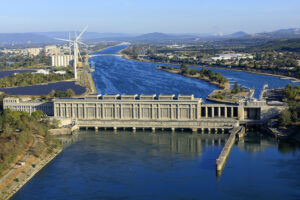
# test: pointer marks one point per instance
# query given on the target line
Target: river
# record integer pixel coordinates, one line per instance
(164, 165)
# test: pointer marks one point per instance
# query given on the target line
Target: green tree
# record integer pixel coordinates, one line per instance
(52, 93)
(235, 88)
(284, 118)
(70, 93)
(183, 68)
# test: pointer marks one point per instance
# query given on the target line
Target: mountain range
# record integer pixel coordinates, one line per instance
(38, 38)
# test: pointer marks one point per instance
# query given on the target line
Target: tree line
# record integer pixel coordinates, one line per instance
(17, 132)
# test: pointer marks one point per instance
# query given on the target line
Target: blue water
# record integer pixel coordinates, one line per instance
(162, 165)
(11, 72)
(118, 75)
(144, 165)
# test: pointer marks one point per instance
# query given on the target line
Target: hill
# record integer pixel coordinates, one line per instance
(23, 39)
(292, 45)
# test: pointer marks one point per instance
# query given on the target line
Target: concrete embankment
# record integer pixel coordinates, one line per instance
(63, 131)
(28, 173)
(234, 133)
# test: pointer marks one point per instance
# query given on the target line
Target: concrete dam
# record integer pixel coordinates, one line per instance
(159, 112)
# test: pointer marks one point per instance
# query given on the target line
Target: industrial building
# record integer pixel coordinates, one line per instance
(61, 60)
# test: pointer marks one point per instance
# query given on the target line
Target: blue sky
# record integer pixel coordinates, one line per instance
(143, 16)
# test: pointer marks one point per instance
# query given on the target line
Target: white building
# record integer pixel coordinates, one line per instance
(230, 56)
(33, 51)
(51, 50)
(61, 60)
(42, 71)
(60, 72)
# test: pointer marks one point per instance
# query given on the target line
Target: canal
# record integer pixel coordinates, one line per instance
(165, 165)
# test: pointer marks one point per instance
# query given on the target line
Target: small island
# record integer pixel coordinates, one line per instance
(204, 74)
(230, 96)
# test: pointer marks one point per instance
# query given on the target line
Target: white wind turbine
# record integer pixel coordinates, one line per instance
(76, 49)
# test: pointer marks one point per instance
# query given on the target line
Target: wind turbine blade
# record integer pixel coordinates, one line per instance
(81, 43)
(82, 32)
(64, 40)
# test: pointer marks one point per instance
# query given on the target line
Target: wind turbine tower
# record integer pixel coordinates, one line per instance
(76, 49)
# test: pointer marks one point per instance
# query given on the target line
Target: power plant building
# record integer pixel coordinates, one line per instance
(61, 60)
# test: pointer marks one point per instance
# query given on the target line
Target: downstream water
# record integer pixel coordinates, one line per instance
(162, 165)
(143, 165)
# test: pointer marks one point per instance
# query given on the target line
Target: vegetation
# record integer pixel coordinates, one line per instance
(17, 132)
(60, 94)
(203, 74)
(24, 61)
(219, 95)
(29, 78)
(280, 57)
(290, 117)
(236, 89)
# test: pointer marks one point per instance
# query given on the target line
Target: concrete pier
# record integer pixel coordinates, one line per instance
(221, 161)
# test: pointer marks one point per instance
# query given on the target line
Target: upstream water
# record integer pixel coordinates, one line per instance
(162, 165)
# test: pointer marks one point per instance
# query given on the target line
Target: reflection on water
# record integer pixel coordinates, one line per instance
(165, 165)
(186, 143)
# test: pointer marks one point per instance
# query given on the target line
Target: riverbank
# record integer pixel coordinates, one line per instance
(208, 67)
(196, 76)
(20, 177)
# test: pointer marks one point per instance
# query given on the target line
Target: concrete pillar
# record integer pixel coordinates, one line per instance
(121, 112)
(96, 113)
(225, 112)
(219, 111)
(231, 112)
(194, 130)
(96, 128)
(206, 112)
(140, 112)
(173, 129)
(153, 129)
(115, 128)
(152, 111)
(133, 112)
(133, 129)
(241, 114)
(209, 130)
(86, 128)
(212, 112)
(223, 130)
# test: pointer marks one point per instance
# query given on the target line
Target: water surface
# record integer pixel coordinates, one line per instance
(162, 165)
(118, 75)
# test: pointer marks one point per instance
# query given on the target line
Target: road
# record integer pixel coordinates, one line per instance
(36, 140)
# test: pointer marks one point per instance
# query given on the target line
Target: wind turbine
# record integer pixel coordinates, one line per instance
(76, 49)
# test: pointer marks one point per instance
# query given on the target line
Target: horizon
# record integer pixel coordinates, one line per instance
(136, 17)
(127, 33)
